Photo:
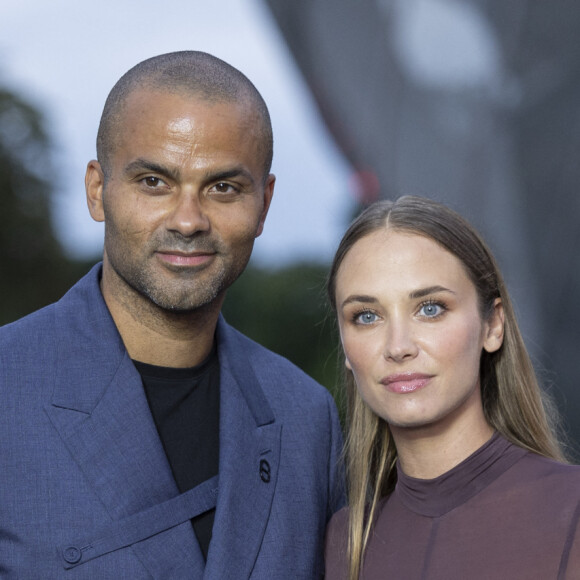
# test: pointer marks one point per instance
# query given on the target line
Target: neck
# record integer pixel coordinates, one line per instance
(163, 338)
(427, 453)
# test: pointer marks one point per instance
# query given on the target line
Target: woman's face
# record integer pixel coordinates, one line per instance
(412, 331)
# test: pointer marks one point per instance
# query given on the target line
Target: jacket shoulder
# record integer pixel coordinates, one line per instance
(27, 333)
(34, 337)
(272, 370)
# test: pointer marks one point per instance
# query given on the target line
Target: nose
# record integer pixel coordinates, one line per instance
(400, 343)
(187, 216)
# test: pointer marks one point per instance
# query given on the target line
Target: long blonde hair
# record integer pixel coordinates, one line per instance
(513, 403)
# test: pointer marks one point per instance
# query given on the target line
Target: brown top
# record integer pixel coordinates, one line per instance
(502, 514)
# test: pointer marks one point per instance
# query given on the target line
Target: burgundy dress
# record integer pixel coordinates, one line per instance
(502, 514)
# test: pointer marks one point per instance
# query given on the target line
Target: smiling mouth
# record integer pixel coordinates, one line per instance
(406, 382)
(185, 259)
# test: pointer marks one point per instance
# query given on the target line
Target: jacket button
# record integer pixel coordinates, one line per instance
(72, 555)
(265, 471)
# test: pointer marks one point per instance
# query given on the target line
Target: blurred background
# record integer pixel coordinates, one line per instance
(475, 103)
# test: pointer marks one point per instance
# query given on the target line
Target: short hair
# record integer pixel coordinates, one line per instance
(190, 73)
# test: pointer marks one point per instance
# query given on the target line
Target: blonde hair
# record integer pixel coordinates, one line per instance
(512, 400)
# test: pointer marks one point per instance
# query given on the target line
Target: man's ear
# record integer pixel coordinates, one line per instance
(94, 185)
(494, 330)
(268, 193)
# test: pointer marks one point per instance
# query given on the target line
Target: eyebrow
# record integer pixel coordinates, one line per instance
(141, 164)
(228, 174)
(359, 298)
(420, 293)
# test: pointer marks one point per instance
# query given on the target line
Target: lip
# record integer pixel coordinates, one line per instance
(405, 382)
(176, 258)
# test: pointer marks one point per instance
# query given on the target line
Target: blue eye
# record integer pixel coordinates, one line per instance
(365, 317)
(431, 310)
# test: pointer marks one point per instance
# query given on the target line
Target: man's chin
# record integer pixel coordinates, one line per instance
(185, 302)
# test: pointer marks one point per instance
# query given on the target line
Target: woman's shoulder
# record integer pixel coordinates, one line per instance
(546, 466)
(338, 525)
(561, 481)
(336, 545)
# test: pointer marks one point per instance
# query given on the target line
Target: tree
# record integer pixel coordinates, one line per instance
(34, 270)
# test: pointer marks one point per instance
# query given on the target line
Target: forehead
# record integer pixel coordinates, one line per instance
(160, 106)
(388, 259)
(154, 116)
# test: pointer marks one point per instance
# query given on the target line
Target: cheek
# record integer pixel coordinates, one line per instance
(125, 226)
(360, 353)
(131, 211)
(239, 225)
(460, 345)
(132, 221)
(238, 237)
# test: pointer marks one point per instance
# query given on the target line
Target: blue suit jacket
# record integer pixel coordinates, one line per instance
(86, 491)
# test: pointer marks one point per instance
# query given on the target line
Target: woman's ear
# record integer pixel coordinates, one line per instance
(494, 328)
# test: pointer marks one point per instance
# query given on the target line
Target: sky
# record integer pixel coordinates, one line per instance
(64, 56)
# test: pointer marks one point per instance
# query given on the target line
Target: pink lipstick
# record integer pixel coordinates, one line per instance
(405, 382)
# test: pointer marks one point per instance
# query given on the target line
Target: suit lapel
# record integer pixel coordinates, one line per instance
(101, 413)
(249, 460)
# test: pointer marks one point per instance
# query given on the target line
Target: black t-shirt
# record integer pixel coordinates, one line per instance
(185, 407)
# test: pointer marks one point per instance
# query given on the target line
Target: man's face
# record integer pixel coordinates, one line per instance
(184, 200)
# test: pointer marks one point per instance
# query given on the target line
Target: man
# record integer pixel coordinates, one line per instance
(142, 437)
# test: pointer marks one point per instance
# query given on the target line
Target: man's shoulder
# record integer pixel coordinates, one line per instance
(280, 378)
(263, 360)
(41, 326)
(28, 328)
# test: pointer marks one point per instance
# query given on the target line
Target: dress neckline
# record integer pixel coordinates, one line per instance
(436, 497)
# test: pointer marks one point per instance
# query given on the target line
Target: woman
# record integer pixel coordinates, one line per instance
(454, 468)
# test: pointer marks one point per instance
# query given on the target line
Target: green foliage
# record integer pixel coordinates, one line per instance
(33, 268)
(286, 310)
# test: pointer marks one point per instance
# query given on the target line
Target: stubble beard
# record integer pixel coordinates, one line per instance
(183, 293)
(177, 291)
(179, 295)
